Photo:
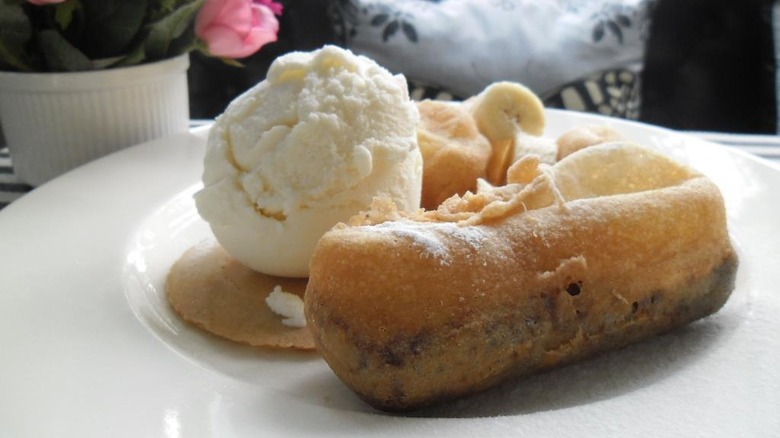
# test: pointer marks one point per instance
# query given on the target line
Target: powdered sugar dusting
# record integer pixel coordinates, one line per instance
(431, 236)
(430, 243)
(474, 236)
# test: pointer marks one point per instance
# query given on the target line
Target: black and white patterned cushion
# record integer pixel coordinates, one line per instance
(11, 187)
(614, 93)
(576, 54)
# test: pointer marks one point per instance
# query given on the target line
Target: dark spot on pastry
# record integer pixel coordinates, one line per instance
(392, 358)
(634, 307)
(418, 343)
(656, 296)
(398, 393)
(574, 289)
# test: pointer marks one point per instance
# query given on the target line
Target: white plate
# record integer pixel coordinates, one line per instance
(88, 347)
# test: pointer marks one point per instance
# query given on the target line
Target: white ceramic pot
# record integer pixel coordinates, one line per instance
(54, 122)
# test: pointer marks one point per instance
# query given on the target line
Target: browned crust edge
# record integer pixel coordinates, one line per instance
(639, 320)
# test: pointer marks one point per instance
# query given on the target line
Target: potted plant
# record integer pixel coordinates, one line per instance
(83, 78)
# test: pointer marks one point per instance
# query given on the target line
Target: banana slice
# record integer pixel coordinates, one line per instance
(501, 111)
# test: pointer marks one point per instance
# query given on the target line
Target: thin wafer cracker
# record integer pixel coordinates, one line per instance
(210, 289)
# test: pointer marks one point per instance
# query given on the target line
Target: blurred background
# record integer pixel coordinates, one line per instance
(709, 65)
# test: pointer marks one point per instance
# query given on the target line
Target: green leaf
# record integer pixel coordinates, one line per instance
(13, 60)
(137, 56)
(203, 48)
(15, 34)
(167, 5)
(104, 63)
(162, 33)
(63, 13)
(159, 9)
(231, 62)
(156, 43)
(112, 25)
(179, 20)
(59, 54)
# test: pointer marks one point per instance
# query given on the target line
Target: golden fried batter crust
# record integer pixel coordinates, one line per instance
(454, 153)
(613, 244)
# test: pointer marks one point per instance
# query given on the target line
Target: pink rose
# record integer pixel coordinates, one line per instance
(44, 2)
(276, 8)
(237, 28)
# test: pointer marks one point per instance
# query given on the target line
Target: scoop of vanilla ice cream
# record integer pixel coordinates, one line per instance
(309, 147)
